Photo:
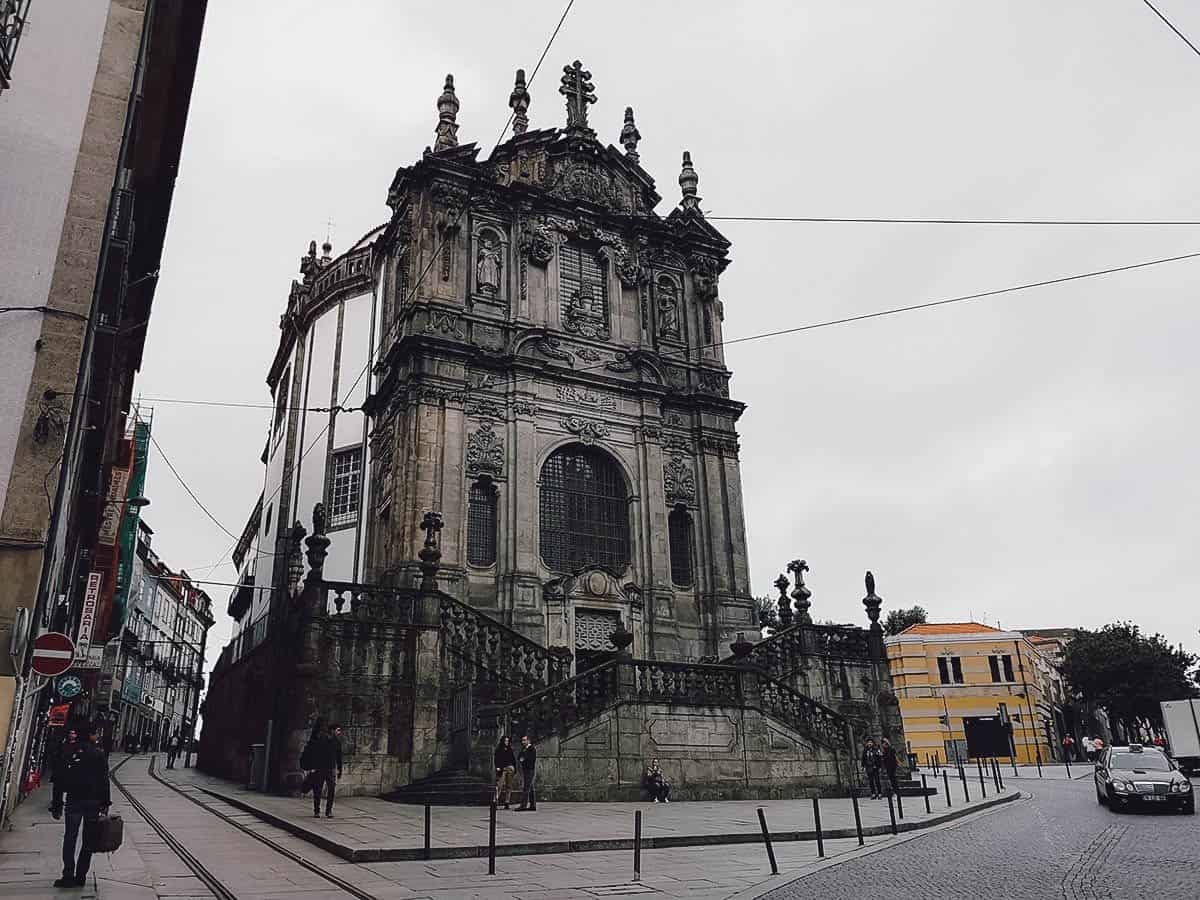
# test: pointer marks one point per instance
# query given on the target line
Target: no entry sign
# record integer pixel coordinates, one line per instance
(53, 654)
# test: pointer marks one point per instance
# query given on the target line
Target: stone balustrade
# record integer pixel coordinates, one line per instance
(691, 683)
(493, 648)
(802, 713)
(564, 704)
(785, 651)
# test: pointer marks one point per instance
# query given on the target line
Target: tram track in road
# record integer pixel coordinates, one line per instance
(209, 880)
(351, 889)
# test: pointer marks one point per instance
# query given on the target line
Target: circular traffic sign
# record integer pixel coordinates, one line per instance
(53, 653)
(69, 686)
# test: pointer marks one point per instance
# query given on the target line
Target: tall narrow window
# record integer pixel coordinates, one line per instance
(345, 480)
(679, 533)
(994, 664)
(281, 400)
(944, 670)
(1008, 669)
(956, 669)
(481, 523)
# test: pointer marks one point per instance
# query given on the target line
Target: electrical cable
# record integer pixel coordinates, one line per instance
(1167, 22)
(881, 220)
(185, 486)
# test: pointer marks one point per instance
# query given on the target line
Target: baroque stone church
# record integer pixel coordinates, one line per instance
(549, 517)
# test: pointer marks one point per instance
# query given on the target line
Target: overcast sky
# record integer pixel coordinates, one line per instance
(1027, 460)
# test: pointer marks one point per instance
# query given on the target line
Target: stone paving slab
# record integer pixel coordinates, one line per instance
(368, 829)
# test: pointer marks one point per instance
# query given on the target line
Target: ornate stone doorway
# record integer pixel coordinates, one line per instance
(593, 628)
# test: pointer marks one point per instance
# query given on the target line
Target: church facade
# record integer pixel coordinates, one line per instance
(550, 377)
(527, 502)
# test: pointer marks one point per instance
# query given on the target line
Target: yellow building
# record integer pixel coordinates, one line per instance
(971, 690)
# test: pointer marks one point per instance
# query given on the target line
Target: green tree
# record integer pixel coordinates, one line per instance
(1127, 672)
(767, 610)
(899, 619)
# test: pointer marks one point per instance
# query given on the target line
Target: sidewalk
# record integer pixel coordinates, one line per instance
(143, 869)
(367, 829)
(1050, 771)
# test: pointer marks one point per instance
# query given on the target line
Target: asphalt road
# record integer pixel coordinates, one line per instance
(1060, 844)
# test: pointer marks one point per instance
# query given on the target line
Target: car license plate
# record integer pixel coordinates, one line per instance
(1154, 798)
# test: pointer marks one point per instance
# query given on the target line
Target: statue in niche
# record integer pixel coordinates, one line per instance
(668, 310)
(487, 266)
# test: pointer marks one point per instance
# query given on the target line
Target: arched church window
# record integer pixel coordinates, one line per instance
(481, 523)
(679, 534)
(584, 510)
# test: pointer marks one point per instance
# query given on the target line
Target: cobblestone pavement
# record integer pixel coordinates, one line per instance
(1060, 844)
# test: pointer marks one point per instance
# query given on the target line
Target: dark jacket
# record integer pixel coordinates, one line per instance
(504, 757)
(872, 759)
(82, 775)
(528, 757)
(889, 758)
(325, 753)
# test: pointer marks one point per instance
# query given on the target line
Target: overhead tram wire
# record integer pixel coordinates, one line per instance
(882, 220)
(185, 486)
(845, 320)
(1183, 37)
(420, 278)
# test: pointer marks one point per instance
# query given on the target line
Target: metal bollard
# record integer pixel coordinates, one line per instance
(762, 821)
(982, 783)
(1065, 760)
(946, 784)
(1016, 774)
(899, 804)
(492, 840)
(817, 820)
(637, 845)
(999, 776)
(962, 773)
(892, 814)
(857, 817)
(925, 792)
(1039, 761)
(428, 855)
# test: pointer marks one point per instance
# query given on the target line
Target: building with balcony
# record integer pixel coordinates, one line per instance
(969, 690)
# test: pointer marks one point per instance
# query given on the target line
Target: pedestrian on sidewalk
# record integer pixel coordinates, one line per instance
(890, 762)
(324, 755)
(1068, 748)
(505, 761)
(1089, 748)
(528, 759)
(656, 784)
(872, 761)
(82, 777)
(173, 747)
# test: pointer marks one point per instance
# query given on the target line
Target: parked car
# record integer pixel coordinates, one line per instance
(1141, 777)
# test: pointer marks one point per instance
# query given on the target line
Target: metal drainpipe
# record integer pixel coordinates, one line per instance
(1025, 688)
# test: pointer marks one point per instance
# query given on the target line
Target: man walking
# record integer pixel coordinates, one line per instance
(326, 758)
(888, 752)
(872, 760)
(82, 775)
(528, 760)
(173, 746)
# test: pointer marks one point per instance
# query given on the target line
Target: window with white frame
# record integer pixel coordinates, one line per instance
(345, 480)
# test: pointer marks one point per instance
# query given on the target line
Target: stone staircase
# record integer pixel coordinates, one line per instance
(449, 787)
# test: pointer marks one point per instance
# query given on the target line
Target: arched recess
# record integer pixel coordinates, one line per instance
(583, 510)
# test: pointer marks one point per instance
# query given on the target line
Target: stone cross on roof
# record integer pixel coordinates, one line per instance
(577, 87)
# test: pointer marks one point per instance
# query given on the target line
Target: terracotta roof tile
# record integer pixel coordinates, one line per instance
(948, 628)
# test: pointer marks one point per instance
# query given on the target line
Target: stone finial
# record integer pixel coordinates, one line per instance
(518, 101)
(318, 518)
(872, 602)
(741, 648)
(785, 605)
(326, 252)
(447, 126)
(802, 595)
(688, 179)
(630, 136)
(577, 87)
(318, 546)
(621, 638)
(430, 554)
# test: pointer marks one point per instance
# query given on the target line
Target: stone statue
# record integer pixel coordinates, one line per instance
(577, 88)
(668, 310)
(487, 267)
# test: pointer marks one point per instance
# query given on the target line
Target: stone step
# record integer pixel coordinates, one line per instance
(450, 787)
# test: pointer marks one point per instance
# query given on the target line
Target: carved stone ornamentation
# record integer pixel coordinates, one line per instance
(627, 267)
(577, 87)
(488, 267)
(585, 397)
(588, 353)
(518, 101)
(668, 309)
(630, 136)
(714, 383)
(551, 347)
(537, 244)
(485, 451)
(679, 481)
(585, 315)
(444, 323)
(447, 127)
(524, 408)
(484, 409)
(621, 362)
(801, 594)
(587, 430)
(704, 277)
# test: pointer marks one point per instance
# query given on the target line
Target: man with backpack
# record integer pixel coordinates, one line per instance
(82, 776)
(872, 762)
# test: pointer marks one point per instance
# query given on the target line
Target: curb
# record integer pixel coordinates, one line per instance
(472, 851)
